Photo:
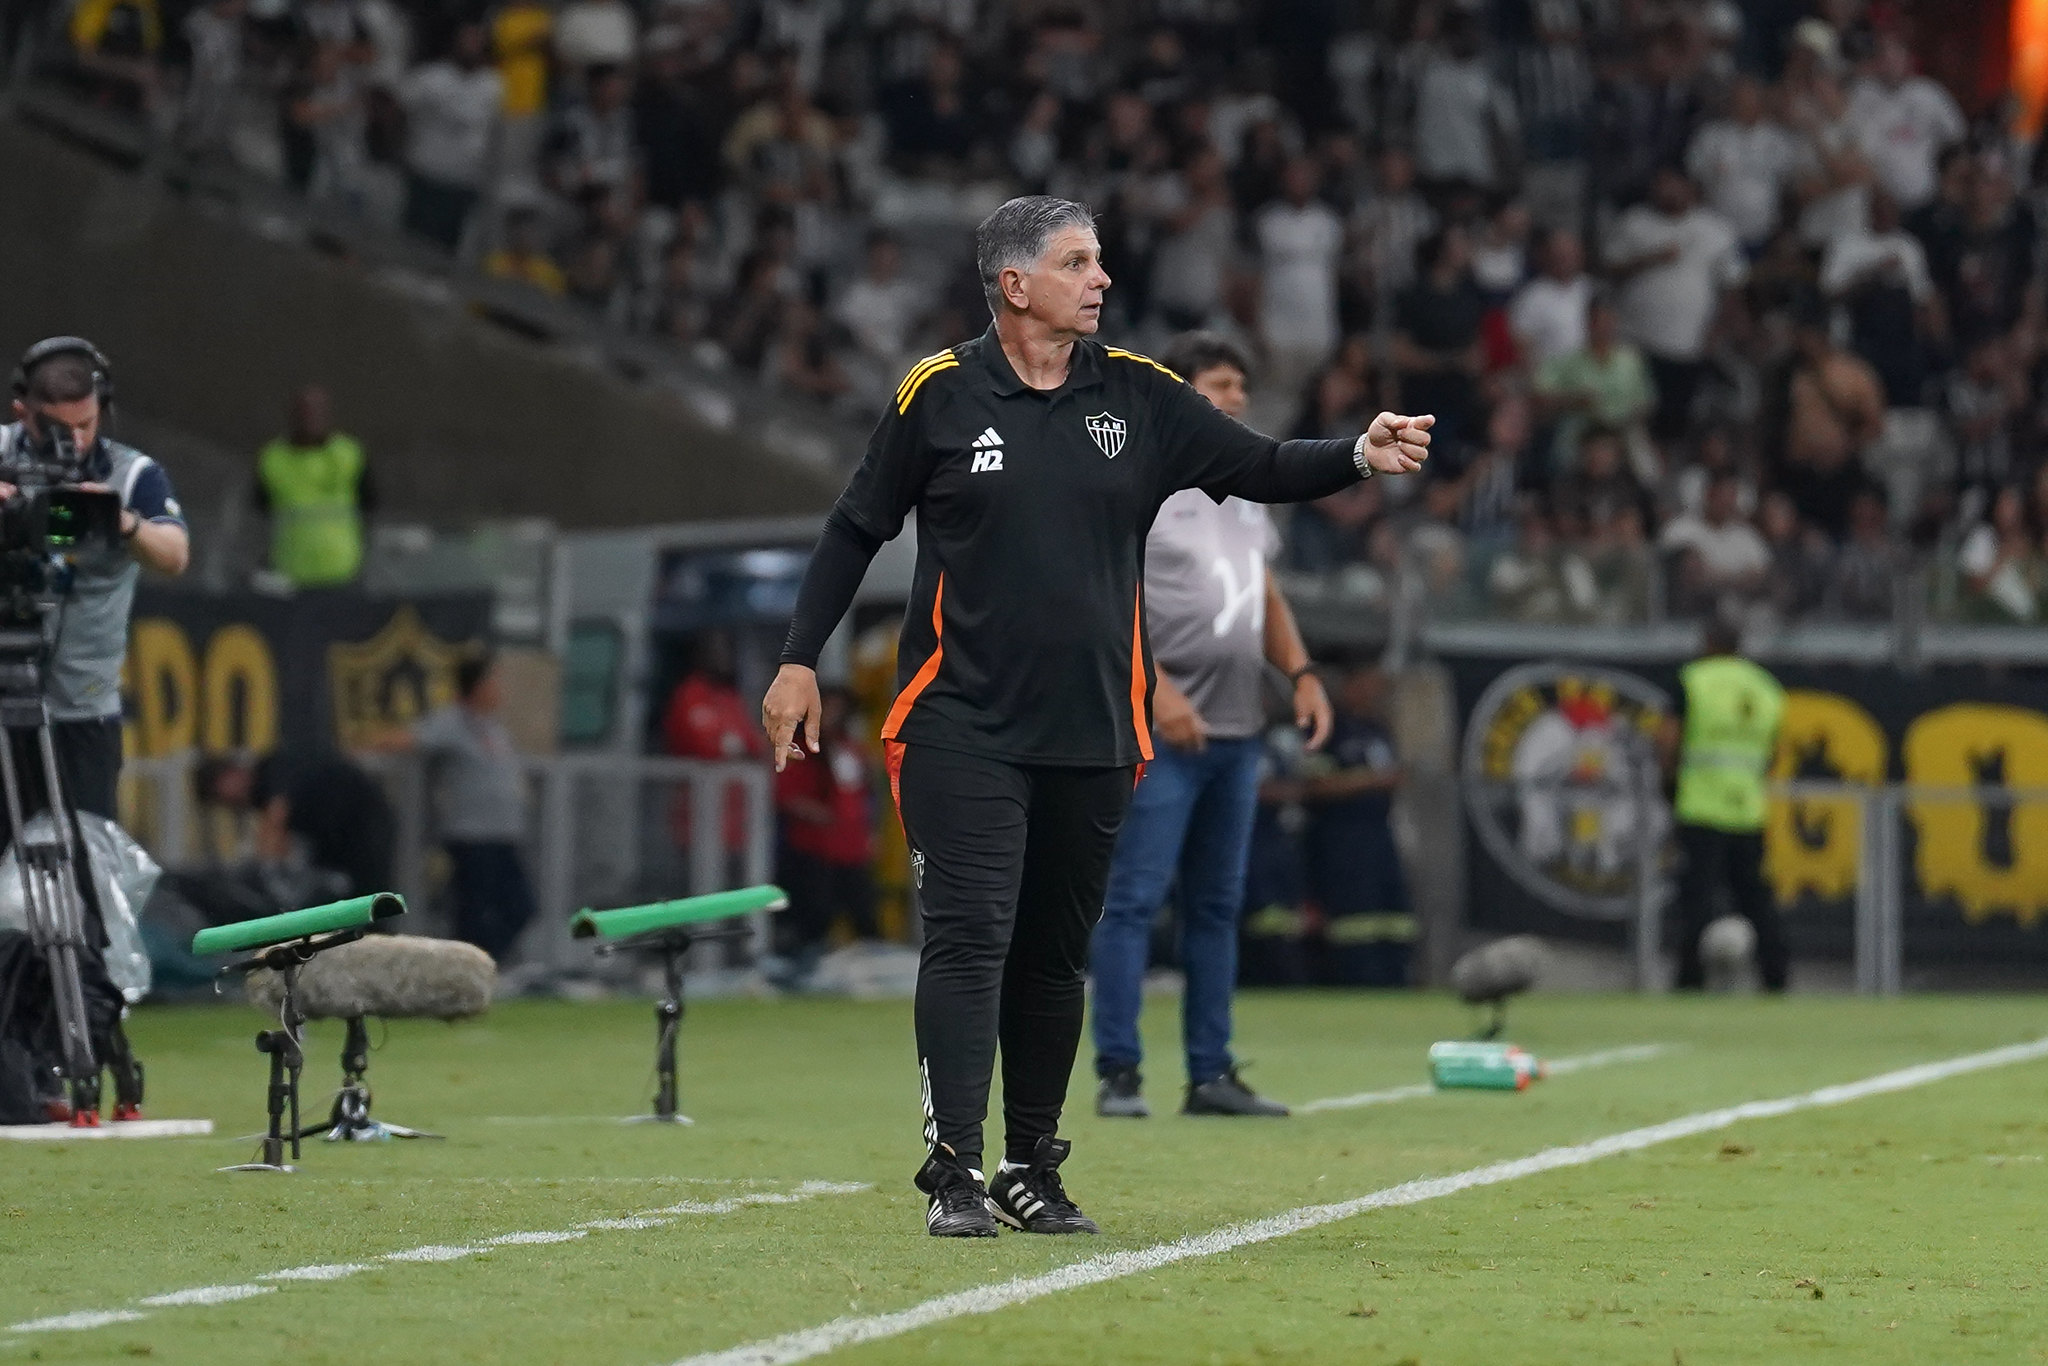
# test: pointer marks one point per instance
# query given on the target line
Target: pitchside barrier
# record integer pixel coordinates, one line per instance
(1905, 836)
(603, 829)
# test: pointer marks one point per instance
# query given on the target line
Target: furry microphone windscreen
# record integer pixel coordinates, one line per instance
(1496, 971)
(397, 976)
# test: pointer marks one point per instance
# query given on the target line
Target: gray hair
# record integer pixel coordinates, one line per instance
(1017, 234)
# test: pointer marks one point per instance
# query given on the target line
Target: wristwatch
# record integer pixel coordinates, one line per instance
(1365, 471)
(1294, 679)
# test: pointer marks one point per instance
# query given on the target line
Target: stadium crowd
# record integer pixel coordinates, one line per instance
(1720, 305)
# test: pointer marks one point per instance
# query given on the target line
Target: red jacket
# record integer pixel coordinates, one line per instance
(839, 777)
(709, 720)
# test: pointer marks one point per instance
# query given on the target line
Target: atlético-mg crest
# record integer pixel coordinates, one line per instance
(1108, 431)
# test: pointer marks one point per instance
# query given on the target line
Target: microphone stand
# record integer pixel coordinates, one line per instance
(284, 1045)
(671, 945)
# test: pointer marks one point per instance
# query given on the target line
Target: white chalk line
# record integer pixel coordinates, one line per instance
(85, 1318)
(846, 1332)
(264, 1284)
(1562, 1067)
(411, 1181)
(126, 1128)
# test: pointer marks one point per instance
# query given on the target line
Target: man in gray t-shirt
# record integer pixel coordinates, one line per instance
(480, 807)
(1217, 622)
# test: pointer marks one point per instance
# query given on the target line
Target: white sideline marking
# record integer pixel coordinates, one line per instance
(126, 1128)
(1607, 1057)
(207, 1294)
(74, 1323)
(411, 1181)
(1562, 1067)
(985, 1299)
(432, 1252)
(1413, 1091)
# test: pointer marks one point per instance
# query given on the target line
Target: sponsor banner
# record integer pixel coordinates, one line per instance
(316, 671)
(1554, 752)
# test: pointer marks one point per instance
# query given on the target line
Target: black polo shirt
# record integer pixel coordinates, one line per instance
(1025, 634)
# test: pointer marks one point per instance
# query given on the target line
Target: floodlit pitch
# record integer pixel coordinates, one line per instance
(1637, 1206)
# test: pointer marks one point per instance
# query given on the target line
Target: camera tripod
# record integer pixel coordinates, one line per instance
(51, 863)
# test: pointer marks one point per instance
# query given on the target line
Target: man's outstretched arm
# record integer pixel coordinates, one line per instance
(1296, 471)
(1206, 449)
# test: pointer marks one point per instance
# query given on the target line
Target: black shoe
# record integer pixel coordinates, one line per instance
(1228, 1095)
(959, 1206)
(1121, 1095)
(1032, 1198)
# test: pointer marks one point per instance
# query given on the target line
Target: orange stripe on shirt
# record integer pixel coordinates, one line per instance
(1138, 688)
(906, 699)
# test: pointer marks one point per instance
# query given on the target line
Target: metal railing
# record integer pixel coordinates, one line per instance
(1878, 924)
(601, 828)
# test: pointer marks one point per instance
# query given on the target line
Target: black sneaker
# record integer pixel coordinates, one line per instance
(1031, 1198)
(1228, 1095)
(1121, 1095)
(958, 1207)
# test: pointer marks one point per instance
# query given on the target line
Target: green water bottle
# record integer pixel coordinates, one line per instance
(1482, 1066)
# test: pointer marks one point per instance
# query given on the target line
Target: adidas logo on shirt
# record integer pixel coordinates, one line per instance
(988, 452)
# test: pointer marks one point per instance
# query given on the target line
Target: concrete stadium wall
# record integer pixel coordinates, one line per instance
(210, 327)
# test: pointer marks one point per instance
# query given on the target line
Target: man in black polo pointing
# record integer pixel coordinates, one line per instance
(1035, 459)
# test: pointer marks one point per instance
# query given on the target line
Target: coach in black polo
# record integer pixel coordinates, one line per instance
(1035, 459)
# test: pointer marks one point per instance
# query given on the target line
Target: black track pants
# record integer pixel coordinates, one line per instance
(1722, 859)
(1010, 864)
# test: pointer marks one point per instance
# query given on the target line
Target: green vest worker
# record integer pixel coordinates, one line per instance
(315, 487)
(1725, 741)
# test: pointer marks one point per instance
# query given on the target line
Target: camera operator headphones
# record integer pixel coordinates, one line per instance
(51, 347)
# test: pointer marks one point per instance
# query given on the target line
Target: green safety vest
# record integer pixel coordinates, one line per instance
(316, 531)
(1732, 711)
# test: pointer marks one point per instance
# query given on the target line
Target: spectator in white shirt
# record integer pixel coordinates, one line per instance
(1466, 116)
(452, 110)
(1879, 278)
(1833, 180)
(1674, 259)
(1300, 239)
(2003, 573)
(1548, 315)
(1719, 554)
(1390, 225)
(881, 309)
(1192, 264)
(1903, 122)
(1743, 163)
(214, 34)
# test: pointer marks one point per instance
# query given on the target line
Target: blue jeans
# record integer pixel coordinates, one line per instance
(493, 900)
(1192, 815)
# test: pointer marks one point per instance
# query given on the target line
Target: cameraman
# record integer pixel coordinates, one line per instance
(63, 389)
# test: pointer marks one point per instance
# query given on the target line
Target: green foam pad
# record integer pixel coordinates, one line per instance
(276, 929)
(663, 915)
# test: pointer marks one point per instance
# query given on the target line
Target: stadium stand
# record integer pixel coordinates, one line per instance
(1721, 307)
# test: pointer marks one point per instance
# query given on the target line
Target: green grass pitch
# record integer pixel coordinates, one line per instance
(1899, 1228)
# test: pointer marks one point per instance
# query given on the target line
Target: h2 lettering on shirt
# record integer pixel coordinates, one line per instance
(1239, 597)
(988, 453)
